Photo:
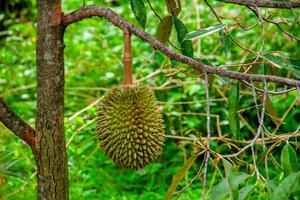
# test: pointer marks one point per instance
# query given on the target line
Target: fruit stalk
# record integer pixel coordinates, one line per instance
(127, 59)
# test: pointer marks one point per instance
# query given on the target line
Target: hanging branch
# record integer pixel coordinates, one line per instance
(16, 124)
(115, 19)
(262, 130)
(207, 155)
(265, 3)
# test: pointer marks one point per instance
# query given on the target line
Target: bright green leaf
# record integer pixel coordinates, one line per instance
(239, 178)
(286, 187)
(271, 185)
(245, 192)
(281, 63)
(289, 160)
(263, 69)
(186, 46)
(220, 190)
(164, 29)
(225, 42)
(177, 177)
(233, 106)
(205, 31)
(139, 10)
(234, 179)
(233, 188)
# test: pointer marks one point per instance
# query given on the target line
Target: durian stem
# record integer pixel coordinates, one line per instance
(127, 58)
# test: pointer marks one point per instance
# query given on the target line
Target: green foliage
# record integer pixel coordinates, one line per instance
(233, 107)
(205, 31)
(93, 64)
(179, 176)
(164, 29)
(139, 10)
(287, 186)
(289, 160)
(186, 45)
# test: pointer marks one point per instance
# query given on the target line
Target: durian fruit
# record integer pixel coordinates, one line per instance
(129, 127)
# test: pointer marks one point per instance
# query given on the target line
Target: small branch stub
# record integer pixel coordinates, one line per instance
(127, 58)
(14, 123)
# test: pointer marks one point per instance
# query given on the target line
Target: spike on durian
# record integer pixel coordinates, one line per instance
(129, 127)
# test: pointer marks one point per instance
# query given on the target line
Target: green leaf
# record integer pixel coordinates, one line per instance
(174, 6)
(205, 31)
(239, 178)
(177, 177)
(223, 188)
(233, 106)
(270, 109)
(139, 10)
(164, 29)
(286, 187)
(263, 69)
(225, 42)
(220, 190)
(289, 160)
(16, 174)
(271, 185)
(245, 192)
(281, 63)
(187, 45)
(234, 179)
(233, 188)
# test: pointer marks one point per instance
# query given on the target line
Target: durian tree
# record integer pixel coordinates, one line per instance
(47, 139)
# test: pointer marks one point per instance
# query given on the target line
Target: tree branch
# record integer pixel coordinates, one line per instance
(265, 3)
(16, 124)
(115, 19)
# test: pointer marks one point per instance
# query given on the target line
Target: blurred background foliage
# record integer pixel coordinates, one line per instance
(93, 63)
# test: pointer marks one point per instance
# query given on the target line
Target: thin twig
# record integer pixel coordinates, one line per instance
(207, 155)
(153, 10)
(265, 3)
(275, 23)
(192, 181)
(268, 140)
(285, 115)
(270, 92)
(78, 130)
(260, 127)
(254, 163)
(83, 110)
(262, 134)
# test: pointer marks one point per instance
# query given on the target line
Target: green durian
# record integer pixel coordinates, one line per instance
(129, 126)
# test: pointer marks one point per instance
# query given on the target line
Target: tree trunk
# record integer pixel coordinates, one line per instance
(50, 148)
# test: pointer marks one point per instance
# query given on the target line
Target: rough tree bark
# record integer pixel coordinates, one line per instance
(50, 148)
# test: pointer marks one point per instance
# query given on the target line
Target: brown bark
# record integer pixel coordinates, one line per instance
(51, 156)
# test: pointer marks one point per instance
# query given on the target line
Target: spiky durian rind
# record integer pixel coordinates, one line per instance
(129, 127)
